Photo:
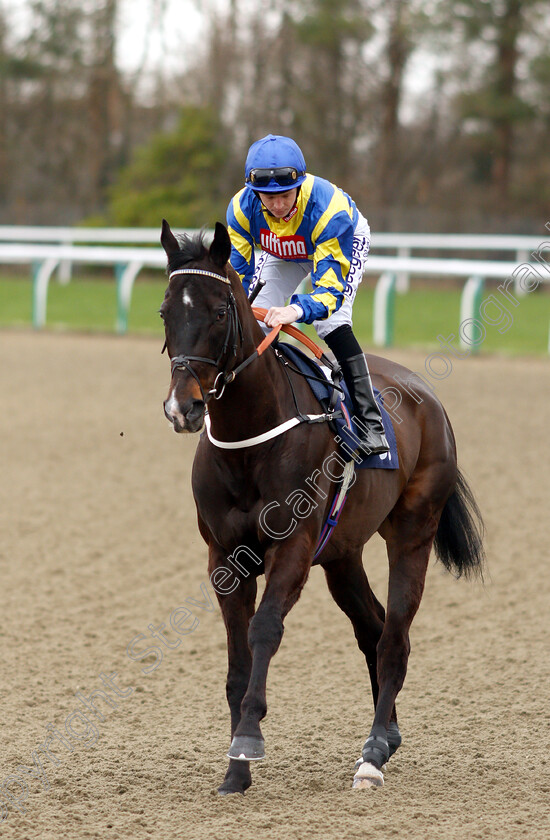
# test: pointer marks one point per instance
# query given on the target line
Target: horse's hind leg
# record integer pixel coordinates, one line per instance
(409, 533)
(350, 588)
(407, 573)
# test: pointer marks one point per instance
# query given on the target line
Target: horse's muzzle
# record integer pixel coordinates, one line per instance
(188, 417)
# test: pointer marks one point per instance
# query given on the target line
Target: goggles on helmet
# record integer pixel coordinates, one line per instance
(284, 176)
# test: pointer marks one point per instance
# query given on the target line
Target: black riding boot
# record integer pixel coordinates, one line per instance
(370, 427)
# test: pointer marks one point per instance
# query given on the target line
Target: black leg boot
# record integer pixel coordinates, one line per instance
(370, 427)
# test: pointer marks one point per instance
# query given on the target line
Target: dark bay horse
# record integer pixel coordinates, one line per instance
(261, 506)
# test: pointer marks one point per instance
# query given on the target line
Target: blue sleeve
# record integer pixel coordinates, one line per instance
(331, 264)
(242, 245)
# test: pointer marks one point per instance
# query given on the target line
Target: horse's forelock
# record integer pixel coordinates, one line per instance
(192, 249)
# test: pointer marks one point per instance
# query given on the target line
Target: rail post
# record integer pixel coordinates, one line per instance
(125, 273)
(383, 313)
(41, 272)
(403, 281)
(470, 303)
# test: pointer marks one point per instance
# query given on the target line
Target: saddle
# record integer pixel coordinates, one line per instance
(336, 401)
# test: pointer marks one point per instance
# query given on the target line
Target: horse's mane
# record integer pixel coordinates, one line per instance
(192, 249)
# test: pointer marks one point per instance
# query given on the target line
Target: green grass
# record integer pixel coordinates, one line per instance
(84, 304)
(420, 316)
(423, 314)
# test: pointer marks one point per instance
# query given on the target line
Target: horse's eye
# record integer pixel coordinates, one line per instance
(221, 314)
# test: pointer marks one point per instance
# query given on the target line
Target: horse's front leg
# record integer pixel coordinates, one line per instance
(237, 609)
(287, 566)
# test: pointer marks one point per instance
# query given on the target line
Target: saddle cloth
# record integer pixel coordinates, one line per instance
(343, 426)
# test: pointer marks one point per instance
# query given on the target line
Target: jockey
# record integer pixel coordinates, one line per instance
(304, 225)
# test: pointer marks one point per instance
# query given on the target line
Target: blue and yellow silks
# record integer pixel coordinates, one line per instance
(319, 229)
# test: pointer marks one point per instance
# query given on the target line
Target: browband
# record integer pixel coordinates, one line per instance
(199, 271)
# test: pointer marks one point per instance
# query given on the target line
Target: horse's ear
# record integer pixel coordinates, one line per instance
(220, 249)
(168, 240)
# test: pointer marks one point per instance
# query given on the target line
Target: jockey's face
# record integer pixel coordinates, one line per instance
(279, 204)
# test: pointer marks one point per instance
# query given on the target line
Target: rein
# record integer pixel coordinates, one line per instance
(234, 333)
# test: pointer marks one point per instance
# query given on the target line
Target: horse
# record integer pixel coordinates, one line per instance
(249, 478)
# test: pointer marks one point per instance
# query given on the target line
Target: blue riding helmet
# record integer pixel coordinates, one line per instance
(274, 164)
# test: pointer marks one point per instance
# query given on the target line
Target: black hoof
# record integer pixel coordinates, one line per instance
(237, 779)
(246, 748)
(376, 749)
(394, 737)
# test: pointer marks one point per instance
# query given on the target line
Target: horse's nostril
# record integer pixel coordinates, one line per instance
(193, 409)
(185, 417)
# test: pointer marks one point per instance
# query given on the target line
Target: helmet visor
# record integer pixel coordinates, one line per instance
(283, 176)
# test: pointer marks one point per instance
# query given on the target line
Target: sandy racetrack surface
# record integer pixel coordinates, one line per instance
(99, 540)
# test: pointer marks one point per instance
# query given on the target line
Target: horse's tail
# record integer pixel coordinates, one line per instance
(459, 539)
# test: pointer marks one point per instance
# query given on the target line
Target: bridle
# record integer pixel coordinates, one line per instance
(233, 337)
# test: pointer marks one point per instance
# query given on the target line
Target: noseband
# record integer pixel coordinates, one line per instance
(233, 336)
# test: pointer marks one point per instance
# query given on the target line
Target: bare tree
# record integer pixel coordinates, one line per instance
(397, 51)
(4, 156)
(103, 101)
